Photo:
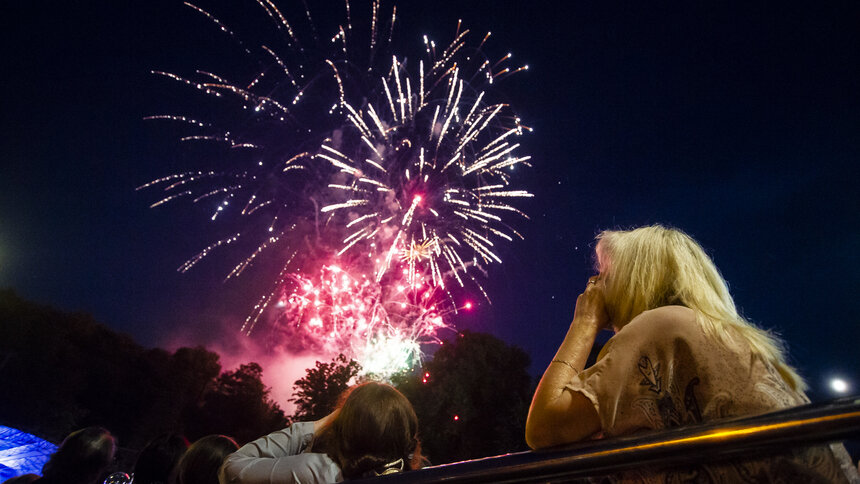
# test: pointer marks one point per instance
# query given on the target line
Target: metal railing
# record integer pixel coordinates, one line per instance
(740, 437)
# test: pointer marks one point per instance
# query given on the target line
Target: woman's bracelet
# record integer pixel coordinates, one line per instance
(564, 363)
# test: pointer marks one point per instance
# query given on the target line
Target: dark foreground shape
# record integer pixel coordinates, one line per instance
(818, 423)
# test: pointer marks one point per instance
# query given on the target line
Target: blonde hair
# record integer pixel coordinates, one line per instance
(655, 266)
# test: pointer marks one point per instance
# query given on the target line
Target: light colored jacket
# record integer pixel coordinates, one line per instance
(280, 458)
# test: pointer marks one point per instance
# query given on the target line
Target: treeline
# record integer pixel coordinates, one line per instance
(471, 397)
(62, 371)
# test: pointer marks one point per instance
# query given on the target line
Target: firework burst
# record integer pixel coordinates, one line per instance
(425, 173)
(380, 325)
(398, 176)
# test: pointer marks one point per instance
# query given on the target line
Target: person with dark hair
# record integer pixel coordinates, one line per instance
(82, 458)
(373, 432)
(202, 460)
(156, 463)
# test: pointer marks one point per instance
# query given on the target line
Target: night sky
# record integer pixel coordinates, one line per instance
(738, 122)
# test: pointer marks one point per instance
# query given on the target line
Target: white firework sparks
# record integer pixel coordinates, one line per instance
(405, 172)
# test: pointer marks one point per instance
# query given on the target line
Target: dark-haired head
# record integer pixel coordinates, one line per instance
(82, 457)
(156, 463)
(202, 460)
(375, 432)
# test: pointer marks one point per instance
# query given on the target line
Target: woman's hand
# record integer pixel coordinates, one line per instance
(557, 416)
(591, 305)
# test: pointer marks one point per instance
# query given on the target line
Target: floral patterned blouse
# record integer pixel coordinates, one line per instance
(662, 370)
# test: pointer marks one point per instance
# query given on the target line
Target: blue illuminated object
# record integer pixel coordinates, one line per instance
(22, 453)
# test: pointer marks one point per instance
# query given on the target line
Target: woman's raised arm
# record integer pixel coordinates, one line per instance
(558, 416)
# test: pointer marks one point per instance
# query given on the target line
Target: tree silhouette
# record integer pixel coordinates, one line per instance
(471, 398)
(317, 394)
(237, 404)
(61, 371)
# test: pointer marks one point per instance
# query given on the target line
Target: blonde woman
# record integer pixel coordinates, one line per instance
(681, 355)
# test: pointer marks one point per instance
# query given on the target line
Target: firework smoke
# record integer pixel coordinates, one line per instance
(387, 186)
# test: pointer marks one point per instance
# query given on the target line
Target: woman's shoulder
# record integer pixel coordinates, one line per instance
(664, 321)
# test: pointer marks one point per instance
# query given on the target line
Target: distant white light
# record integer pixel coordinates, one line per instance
(839, 385)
